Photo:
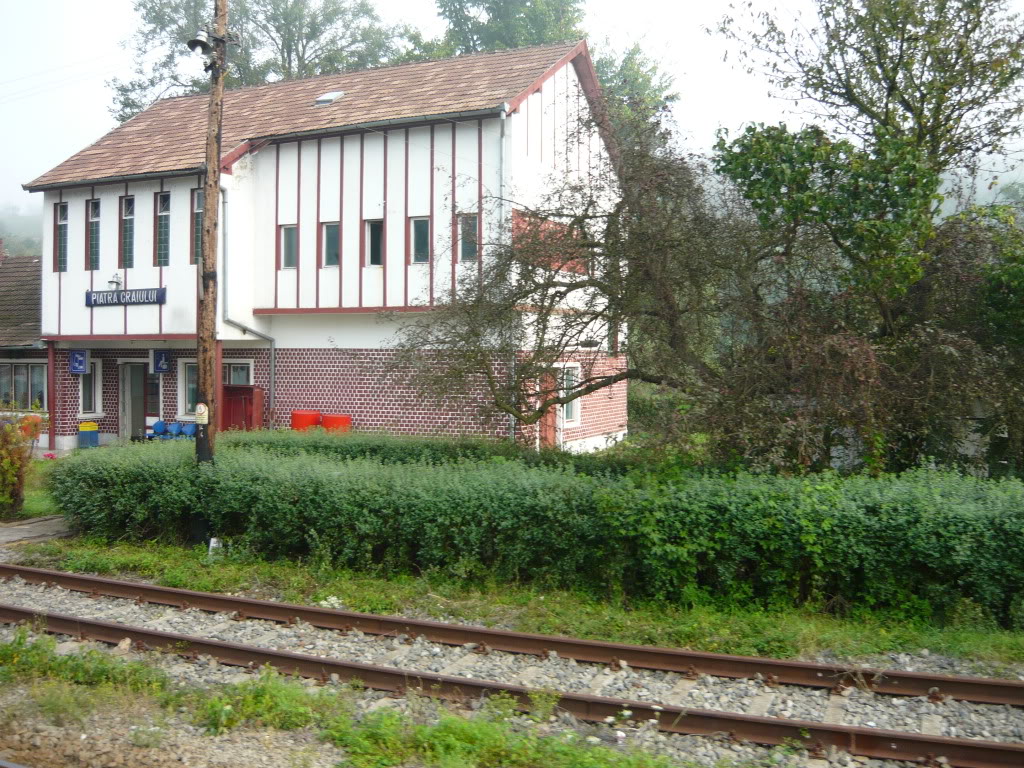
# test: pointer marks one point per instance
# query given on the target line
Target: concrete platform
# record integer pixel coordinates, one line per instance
(34, 529)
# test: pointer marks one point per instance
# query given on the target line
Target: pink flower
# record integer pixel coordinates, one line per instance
(49, 455)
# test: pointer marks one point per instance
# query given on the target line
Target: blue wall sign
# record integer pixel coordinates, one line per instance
(78, 361)
(159, 361)
(122, 298)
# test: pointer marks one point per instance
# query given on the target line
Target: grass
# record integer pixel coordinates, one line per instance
(64, 689)
(781, 633)
(38, 501)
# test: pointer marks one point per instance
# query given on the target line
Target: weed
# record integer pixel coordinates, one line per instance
(782, 632)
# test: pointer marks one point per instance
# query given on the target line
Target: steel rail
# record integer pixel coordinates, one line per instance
(817, 737)
(690, 663)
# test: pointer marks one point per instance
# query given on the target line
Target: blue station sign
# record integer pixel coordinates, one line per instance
(126, 297)
(78, 361)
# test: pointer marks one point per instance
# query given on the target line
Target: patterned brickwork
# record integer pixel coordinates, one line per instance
(357, 382)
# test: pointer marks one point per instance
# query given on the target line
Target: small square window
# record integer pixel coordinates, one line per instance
(94, 210)
(289, 247)
(163, 202)
(128, 208)
(421, 241)
(375, 242)
(62, 213)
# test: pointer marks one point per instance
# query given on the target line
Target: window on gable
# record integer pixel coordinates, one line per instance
(420, 240)
(127, 235)
(331, 245)
(571, 410)
(374, 255)
(162, 252)
(92, 235)
(468, 237)
(289, 246)
(60, 238)
(197, 225)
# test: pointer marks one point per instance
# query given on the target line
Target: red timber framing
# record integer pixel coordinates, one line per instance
(430, 267)
(362, 224)
(455, 214)
(480, 200)
(60, 275)
(319, 227)
(384, 227)
(277, 226)
(92, 196)
(51, 391)
(298, 225)
(120, 246)
(330, 311)
(341, 218)
(408, 223)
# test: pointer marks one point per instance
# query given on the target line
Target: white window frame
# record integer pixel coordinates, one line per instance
(28, 361)
(181, 415)
(185, 361)
(323, 244)
(577, 418)
(251, 362)
(97, 392)
(412, 239)
(283, 228)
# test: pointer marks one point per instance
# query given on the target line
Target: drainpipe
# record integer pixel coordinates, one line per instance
(234, 323)
(501, 223)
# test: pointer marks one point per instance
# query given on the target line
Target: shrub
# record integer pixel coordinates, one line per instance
(923, 542)
(393, 449)
(15, 455)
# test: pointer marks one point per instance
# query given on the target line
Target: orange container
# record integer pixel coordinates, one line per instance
(337, 422)
(303, 420)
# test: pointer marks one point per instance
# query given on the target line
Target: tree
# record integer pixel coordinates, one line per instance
(276, 40)
(945, 75)
(489, 25)
(636, 92)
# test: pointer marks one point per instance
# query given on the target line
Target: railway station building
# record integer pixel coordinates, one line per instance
(344, 197)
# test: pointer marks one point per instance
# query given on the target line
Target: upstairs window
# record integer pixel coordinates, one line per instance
(374, 255)
(468, 237)
(60, 237)
(289, 246)
(571, 410)
(162, 249)
(197, 226)
(420, 240)
(331, 245)
(92, 235)
(126, 238)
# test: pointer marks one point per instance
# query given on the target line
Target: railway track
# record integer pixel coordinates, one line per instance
(597, 680)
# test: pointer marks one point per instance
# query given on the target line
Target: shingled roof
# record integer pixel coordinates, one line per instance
(169, 137)
(20, 297)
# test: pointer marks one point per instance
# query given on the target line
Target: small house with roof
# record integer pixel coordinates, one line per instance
(344, 196)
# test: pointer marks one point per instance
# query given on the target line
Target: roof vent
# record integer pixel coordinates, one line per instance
(328, 98)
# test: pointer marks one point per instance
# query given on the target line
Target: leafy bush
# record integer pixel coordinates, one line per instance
(15, 455)
(922, 542)
(392, 449)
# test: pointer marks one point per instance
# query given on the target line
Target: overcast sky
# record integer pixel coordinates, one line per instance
(58, 54)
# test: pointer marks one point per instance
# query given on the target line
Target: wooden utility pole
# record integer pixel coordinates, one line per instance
(206, 331)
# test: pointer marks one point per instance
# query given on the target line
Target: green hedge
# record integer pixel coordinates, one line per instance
(920, 542)
(392, 449)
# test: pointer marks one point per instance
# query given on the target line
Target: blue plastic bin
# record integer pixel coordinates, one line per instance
(88, 435)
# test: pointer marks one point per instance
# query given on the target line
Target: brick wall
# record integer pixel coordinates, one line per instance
(356, 382)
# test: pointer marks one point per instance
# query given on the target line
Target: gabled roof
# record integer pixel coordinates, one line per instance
(169, 137)
(20, 299)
